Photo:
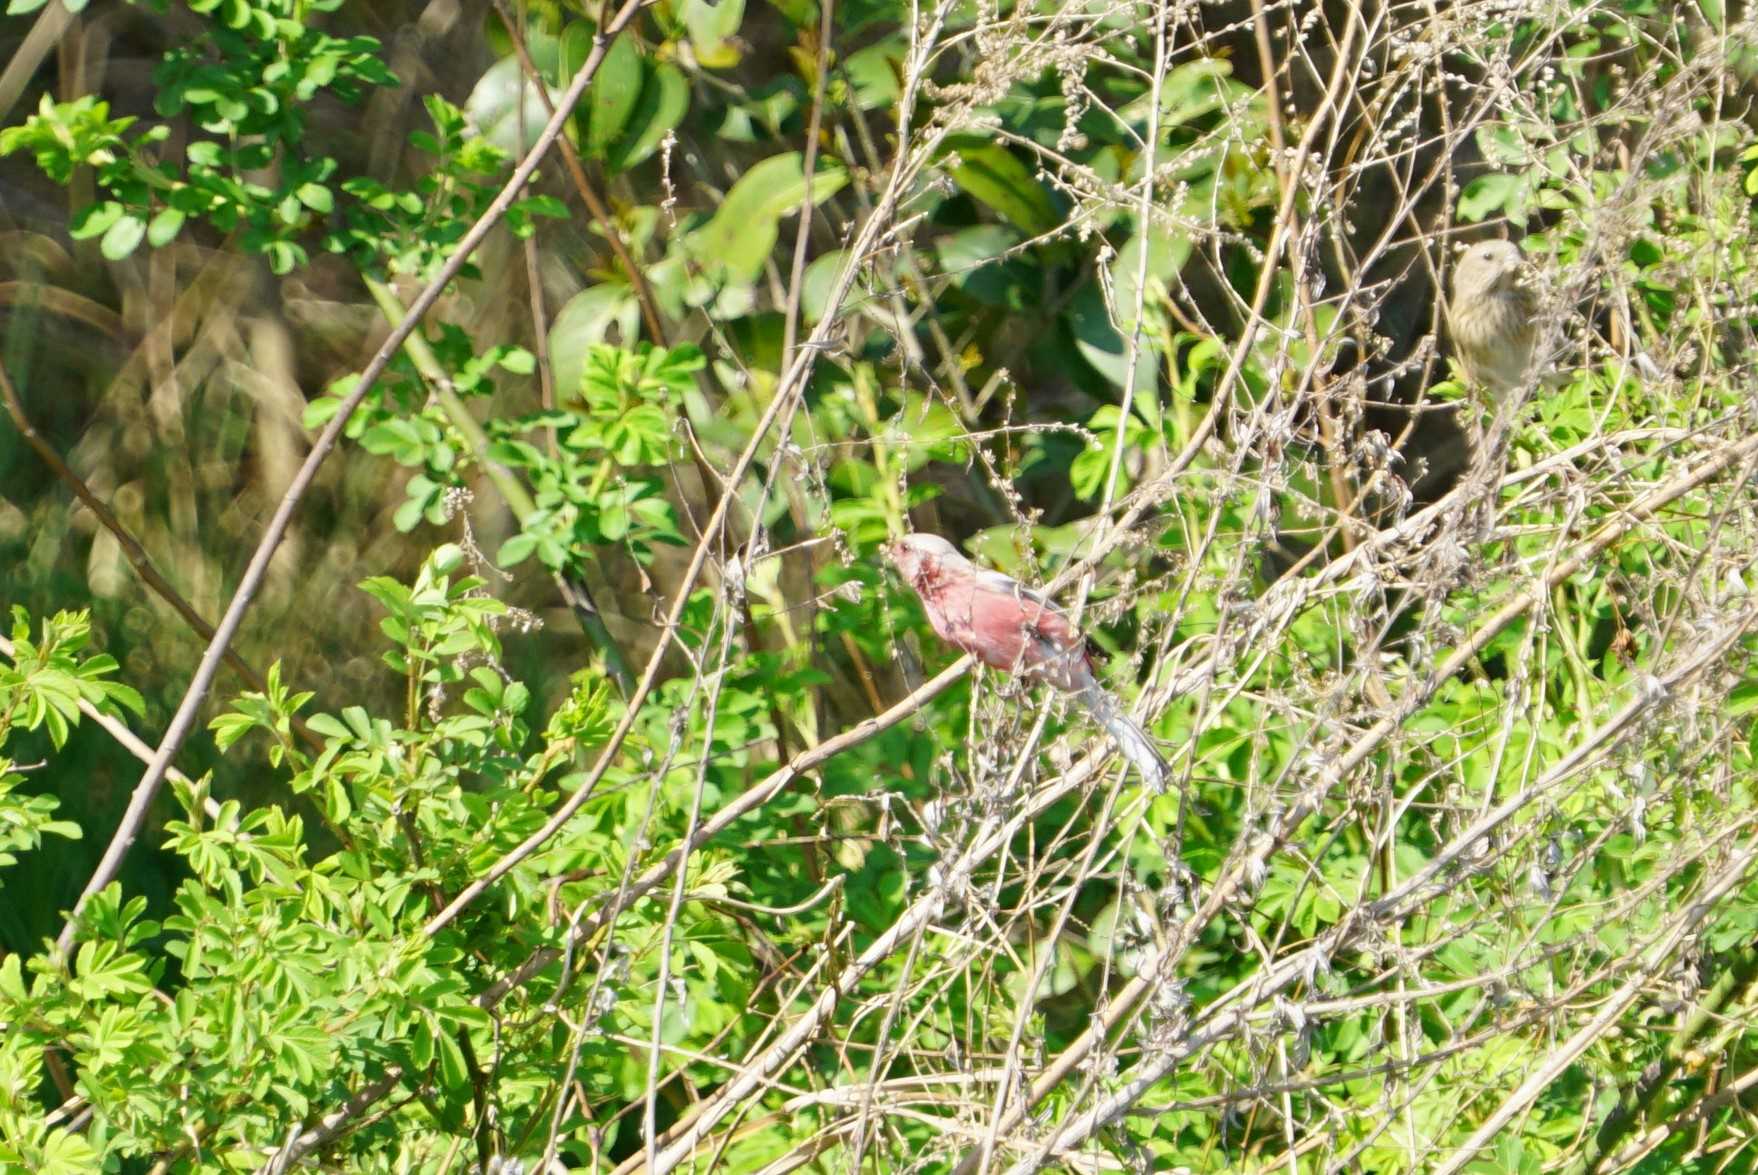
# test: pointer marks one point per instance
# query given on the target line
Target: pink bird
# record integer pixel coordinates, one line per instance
(1006, 625)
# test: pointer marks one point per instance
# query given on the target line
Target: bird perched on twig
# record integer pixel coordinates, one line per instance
(1494, 313)
(1008, 626)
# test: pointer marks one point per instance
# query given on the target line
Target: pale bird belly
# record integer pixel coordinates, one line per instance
(1495, 337)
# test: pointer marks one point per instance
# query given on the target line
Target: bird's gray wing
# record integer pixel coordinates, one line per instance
(995, 581)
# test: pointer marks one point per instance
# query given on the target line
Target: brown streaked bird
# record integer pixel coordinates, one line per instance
(1494, 314)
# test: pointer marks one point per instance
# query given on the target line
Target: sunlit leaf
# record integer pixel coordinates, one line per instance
(665, 98)
(991, 174)
(712, 25)
(615, 90)
(585, 321)
(733, 245)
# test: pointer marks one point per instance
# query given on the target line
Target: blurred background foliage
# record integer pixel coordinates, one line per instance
(1176, 264)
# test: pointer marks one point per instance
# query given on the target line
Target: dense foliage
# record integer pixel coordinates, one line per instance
(461, 437)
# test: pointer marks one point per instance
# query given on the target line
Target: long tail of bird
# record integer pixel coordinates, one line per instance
(1130, 738)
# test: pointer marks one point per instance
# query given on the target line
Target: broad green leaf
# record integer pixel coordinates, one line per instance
(415, 506)
(516, 550)
(1167, 251)
(12, 986)
(122, 238)
(1100, 344)
(672, 368)
(495, 104)
(1503, 145)
(95, 219)
(875, 73)
(711, 24)
(518, 360)
(641, 437)
(818, 280)
(1196, 88)
(66, 1152)
(991, 174)
(316, 197)
(1088, 471)
(968, 248)
(665, 97)
(164, 227)
(733, 245)
(614, 91)
(1486, 195)
(584, 322)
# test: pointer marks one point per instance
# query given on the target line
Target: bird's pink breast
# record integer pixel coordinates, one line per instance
(1006, 630)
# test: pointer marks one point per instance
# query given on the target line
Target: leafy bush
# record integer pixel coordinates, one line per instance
(605, 802)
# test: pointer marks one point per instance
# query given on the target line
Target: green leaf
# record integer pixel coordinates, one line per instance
(641, 437)
(12, 978)
(65, 1152)
(516, 550)
(673, 367)
(1088, 471)
(319, 411)
(1503, 145)
(733, 245)
(875, 73)
(1167, 251)
(582, 324)
(400, 439)
(327, 726)
(408, 515)
(316, 197)
(518, 360)
(454, 1074)
(615, 89)
(968, 248)
(284, 256)
(122, 238)
(1191, 91)
(124, 697)
(613, 522)
(95, 219)
(665, 97)
(495, 105)
(817, 283)
(711, 25)
(543, 206)
(1100, 344)
(1485, 195)
(164, 227)
(991, 174)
